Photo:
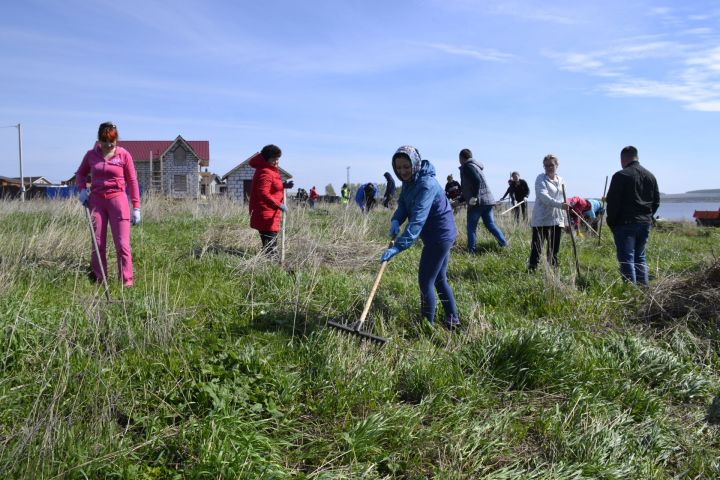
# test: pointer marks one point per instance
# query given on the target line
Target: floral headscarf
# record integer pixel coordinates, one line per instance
(412, 154)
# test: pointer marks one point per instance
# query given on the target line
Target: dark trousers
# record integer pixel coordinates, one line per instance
(269, 243)
(549, 236)
(522, 207)
(432, 275)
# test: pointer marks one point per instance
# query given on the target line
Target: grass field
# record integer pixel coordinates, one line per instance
(217, 364)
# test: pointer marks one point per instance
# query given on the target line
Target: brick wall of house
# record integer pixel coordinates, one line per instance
(235, 181)
(190, 169)
(142, 169)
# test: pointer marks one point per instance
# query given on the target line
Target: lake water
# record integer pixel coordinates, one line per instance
(681, 210)
(684, 210)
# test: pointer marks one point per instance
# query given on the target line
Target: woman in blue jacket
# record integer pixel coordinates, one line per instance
(429, 216)
(365, 196)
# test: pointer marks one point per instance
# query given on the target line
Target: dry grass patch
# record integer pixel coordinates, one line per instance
(693, 297)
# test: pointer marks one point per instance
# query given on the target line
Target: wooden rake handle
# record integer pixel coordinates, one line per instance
(572, 236)
(375, 286)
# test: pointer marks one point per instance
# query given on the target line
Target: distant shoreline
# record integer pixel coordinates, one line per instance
(690, 198)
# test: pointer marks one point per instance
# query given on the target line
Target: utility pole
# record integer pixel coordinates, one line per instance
(22, 178)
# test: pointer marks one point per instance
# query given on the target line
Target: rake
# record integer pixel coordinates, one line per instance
(572, 236)
(97, 252)
(356, 328)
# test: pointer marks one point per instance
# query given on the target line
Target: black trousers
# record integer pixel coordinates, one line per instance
(522, 207)
(269, 243)
(551, 237)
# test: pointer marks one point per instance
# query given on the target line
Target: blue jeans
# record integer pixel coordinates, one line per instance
(474, 214)
(630, 241)
(432, 275)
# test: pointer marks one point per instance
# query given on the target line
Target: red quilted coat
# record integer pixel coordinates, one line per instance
(266, 196)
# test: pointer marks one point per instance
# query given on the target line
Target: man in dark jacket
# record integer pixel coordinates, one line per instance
(476, 193)
(632, 200)
(389, 190)
(518, 191)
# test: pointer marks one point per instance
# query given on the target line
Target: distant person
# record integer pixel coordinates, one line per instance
(424, 205)
(632, 200)
(452, 188)
(344, 194)
(365, 196)
(111, 169)
(518, 191)
(587, 208)
(267, 197)
(313, 196)
(389, 190)
(548, 215)
(476, 193)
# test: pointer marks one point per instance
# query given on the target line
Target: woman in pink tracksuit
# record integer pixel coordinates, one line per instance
(111, 168)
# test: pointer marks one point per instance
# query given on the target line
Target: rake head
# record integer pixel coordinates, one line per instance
(355, 330)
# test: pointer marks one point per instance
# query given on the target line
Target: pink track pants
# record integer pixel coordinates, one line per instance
(117, 211)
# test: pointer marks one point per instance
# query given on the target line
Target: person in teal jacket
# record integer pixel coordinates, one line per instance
(429, 217)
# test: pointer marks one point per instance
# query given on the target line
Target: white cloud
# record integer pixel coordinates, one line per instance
(684, 72)
(523, 10)
(660, 11)
(698, 31)
(696, 84)
(698, 97)
(613, 61)
(483, 54)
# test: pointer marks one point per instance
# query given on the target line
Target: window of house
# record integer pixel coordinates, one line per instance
(180, 183)
(179, 155)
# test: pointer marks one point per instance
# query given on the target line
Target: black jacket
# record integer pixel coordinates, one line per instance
(517, 191)
(390, 187)
(452, 189)
(633, 196)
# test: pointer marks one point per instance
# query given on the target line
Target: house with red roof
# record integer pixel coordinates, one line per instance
(169, 167)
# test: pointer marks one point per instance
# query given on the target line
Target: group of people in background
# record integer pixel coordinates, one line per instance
(632, 201)
(423, 206)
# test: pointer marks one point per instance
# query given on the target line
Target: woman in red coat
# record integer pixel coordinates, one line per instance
(267, 197)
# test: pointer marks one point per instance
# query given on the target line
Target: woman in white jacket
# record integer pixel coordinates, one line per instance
(548, 216)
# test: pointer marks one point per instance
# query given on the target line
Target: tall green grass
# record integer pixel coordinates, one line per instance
(217, 364)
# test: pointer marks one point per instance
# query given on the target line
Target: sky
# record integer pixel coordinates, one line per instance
(340, 84)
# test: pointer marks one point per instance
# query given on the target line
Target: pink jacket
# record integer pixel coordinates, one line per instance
(109, 177)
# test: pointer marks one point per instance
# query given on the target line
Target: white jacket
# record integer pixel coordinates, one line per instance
(547, 210)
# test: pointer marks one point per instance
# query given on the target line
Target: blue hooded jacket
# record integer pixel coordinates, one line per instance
(360, 194)
(423, 204)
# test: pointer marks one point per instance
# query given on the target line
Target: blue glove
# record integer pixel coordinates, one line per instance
(283, 207)
(289, 184)
(84, 196)
(136, 216)
(388, 254)
(394, 228)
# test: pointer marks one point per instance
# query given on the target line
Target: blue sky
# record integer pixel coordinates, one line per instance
(344, 83)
